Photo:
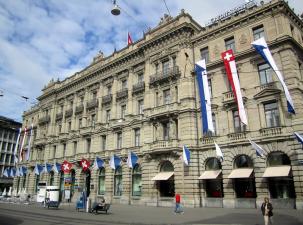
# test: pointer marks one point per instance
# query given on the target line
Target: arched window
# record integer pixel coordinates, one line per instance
(243, 161)
(280, 187)
(213, 186)
(51, 178)
(101, 189)
(245, 187)
(136, 181)
(167, 187)
(118, 181)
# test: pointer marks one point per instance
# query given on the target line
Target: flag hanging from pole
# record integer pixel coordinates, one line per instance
(114, 162)
(299, 137)
(29, 144)
(219, 152)
(99, 163)
(16, 147)
(85, 164)
(232, 74)
(22, 143)
(57, 167)
(261, 47)
(204, 93)
(259, 150)
(38, 169)
(6, 172)
(47, 168)
(186, 155)
(129, 39)
(132, 159)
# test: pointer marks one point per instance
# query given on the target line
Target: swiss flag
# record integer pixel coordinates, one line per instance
(85, 164)
(66, 166)
(129, 39)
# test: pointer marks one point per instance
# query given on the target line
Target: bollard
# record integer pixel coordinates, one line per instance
(88, 205)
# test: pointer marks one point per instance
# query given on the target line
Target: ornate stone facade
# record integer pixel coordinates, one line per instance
(145, 97)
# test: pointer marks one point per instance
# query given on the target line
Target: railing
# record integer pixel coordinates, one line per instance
(44, 119)
(229, 97)
(69, 112)
(163, 109)
(59, 116)
(79, 109)
(139, 87)
(271, 131)
(207, 140)
(163, 76)
(92, 104)
(122, 94)
(107, 99)
(164, 144)
(237, 136)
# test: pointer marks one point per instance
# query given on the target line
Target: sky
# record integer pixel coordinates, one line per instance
(42, 40)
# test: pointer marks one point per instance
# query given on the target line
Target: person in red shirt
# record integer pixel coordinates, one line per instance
(178, 204)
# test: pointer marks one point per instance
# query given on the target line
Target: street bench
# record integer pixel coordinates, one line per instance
(97, 207)
(52, 204)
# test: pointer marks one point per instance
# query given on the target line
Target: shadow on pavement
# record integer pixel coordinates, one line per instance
(6, 220)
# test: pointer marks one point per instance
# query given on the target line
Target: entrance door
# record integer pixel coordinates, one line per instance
(87, 183)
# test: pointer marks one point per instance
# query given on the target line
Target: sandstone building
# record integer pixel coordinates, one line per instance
(144, 99)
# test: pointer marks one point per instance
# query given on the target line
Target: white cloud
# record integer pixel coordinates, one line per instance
(40, 40)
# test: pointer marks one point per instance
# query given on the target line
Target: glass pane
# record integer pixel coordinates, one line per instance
(243, 161)
(214, 188)
(245, 188)
(281, 187)
(213, 164)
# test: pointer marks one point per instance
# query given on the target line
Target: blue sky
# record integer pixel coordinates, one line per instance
(45, 39)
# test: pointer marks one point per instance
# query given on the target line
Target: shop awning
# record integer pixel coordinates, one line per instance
(210, 174)
(240, 173)
(163, 176)
(277, 171)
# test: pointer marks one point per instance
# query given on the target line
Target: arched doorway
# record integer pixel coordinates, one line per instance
(213, 184)
(87, 177)
(278, 174)
(167, 187)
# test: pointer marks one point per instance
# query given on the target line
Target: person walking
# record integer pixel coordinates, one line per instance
(178, 204)
(267, 209)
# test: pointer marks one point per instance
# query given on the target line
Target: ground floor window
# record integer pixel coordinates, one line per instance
(136, 181)
(61, 186)
(51, 178)
(37, 183)
(118, 182)
(101, 189)
(281, 187)
(167, 187)
(245, 188)
(24, 181)
(214, 188)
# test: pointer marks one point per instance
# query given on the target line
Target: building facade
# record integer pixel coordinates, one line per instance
(144, 99)
(9, 130)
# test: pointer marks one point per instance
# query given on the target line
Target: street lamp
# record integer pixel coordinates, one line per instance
(115, 10)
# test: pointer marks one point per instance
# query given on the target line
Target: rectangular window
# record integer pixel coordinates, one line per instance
(109, 89)
(258, 32)
(166, 96)
(71, 104)
(103, 140)
(140, 106)
(265, 73)
(93, 120)
(230, 44)
(54, 151)
(88, 145)
(210, 87)
(80, 123)
(165, 68)
(205, 54)
(123, 111)
(69, 126)
(124, 84)
(75, 148)
(165, 131)
(214, 123)
(176, 93)
(137, 137)
(272, 115)
(140, 78)
(107, 116)
(238, 126)
(119, 140)
(94, 95)
(64, 150)
(157, 99)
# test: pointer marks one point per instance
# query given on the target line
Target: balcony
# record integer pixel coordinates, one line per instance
(271, 131)
(107, 99)
(163, 110)
(44, 120)
(92, 104)
(59, 116)
(229, 98)
(122, 94)
(68, 113)
(138, 88)
(164, 77)
(164, 144)
(79, 109)
(237, 136)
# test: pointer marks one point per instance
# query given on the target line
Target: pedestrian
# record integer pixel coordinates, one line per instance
(178, 204)
(266, 209)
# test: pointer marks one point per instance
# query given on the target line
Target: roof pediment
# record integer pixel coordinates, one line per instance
(267, 92)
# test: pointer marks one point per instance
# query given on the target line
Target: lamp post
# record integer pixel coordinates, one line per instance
(115, 10)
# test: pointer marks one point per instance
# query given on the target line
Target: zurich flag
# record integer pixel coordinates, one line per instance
(57, 167)
(186, 155)
(38, 169)
(98, 163)
(131, 159)
(114, 162)
(299, 137)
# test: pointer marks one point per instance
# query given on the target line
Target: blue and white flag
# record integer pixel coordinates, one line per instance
(99, 163)
(23, 171)
(6, 172)
(29, 143)
(299, 137)
(13, 172)
(16, 147)
(114, 162)
(57, 167)
(204, 93)
(186, 155)
(132, 159)
(261, 47)
(17, 172)
(259, 150)
(47, 168)
(219, 152)
(38, 169)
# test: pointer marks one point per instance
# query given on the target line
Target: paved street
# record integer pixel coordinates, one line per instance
(15, 214)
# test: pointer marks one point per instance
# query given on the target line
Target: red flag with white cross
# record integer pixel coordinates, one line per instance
(85, 164)
(66, 166)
